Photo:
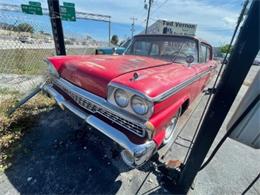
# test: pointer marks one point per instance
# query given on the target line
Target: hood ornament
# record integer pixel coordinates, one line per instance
(135, 76)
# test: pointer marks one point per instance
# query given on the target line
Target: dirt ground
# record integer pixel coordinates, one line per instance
(60, 154)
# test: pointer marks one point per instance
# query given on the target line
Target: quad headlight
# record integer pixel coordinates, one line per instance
(121, 98)
(139, 105)
(130, 100)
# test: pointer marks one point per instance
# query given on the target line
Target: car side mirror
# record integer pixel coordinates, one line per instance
(189, 60)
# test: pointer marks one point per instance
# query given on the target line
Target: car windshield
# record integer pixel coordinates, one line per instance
(167, 48)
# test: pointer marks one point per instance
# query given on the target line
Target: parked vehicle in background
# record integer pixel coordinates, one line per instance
(135, 99)
(25, 39)
(114, 50)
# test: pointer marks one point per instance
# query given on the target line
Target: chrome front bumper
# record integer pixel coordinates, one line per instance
(139, 154)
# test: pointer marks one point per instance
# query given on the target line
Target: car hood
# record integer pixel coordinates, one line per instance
(94, 72)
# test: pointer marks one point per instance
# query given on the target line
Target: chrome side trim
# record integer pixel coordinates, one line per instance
(165, 94)
(179, 87)
(141, 153)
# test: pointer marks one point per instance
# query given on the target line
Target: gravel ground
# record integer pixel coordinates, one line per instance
(61, 154)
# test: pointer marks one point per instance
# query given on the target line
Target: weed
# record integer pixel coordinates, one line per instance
(13, 128)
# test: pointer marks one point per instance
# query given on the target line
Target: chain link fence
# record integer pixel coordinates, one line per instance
(23, 46)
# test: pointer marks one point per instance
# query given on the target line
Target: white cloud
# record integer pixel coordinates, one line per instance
(230, 21)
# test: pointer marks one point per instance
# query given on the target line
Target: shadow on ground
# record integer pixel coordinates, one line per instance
(63, 155)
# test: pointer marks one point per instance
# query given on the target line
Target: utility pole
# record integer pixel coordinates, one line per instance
(133, 25)
(58, 36)
(148, 14)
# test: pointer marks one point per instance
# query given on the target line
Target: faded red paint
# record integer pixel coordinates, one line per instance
(94, 73)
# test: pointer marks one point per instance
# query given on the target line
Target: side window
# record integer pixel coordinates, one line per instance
(203, 53)
(141, 48)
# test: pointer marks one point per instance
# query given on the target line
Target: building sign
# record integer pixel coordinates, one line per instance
(32, 8)
(172, 28)
(67, 11)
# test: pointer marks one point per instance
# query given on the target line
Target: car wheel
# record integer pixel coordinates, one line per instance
(169, 131)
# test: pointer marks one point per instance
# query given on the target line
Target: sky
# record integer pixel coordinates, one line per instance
(215, 19)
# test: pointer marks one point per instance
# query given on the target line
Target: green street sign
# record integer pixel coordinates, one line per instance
(31, 9)
(67, 4)
(68, 13)
(34, 3)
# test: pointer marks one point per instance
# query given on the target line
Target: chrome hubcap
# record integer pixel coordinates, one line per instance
(170, 129)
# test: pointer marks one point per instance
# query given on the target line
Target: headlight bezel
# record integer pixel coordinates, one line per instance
(112, 87)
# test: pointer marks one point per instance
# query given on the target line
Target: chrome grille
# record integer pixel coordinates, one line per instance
(96, 108)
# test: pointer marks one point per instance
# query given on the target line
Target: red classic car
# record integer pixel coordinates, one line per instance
(136, 98)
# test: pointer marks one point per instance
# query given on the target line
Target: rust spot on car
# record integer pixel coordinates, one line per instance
(99, 59)
(173, 164)
(92, 64)
(135, 60)
(109, 56)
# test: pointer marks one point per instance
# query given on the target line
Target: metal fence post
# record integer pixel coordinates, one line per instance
(241, 59)
(54, 12)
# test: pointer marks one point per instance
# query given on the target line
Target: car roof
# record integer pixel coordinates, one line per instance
(167, 35)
